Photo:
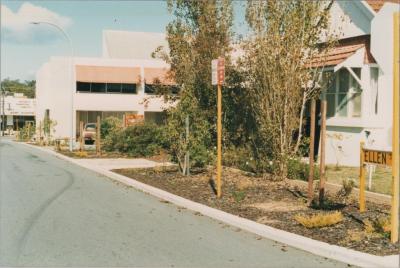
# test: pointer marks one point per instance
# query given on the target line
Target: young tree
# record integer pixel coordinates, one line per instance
(286, 35)
(200, 32)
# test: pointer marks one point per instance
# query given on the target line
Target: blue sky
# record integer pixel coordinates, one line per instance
(25, 47)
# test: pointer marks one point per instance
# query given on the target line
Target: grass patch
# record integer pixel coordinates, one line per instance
(319, 220)
(381, 178)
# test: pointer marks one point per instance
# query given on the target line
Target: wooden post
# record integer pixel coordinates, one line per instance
(16, 124)
(29, 131)
(311, 155)
(40, 133)
(322, 152)
(362, 178)
(98, 149)
(187, 171)
(219, 140)
(394, 215)
(81, 137)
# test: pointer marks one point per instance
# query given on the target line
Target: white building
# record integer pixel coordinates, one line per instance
(360, 100)
(113, 85)
(16, 110)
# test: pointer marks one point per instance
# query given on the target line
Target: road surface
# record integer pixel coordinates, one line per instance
(54, 213)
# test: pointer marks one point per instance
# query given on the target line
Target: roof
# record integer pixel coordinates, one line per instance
(344, 49)
(131, 45)
(376, 5)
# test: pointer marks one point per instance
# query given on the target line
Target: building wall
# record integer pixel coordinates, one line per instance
(54, 87)
(345, 134)
(350, 18)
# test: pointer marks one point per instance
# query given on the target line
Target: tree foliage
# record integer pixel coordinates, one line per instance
(16, 86)
(285, 36)
(199, 32)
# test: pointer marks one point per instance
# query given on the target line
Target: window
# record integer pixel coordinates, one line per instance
(87, 87)
(98, 87)
(374, 89)
(82, 87)
(128, 88)
(149, 89)
(113, 88)
(152, 89)
(344, 94)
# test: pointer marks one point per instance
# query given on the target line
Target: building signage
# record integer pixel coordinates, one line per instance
(377, 157)
(19, 106)
(218, 71)
(132, 119)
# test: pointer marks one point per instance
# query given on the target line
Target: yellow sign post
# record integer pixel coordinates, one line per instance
(394, 219)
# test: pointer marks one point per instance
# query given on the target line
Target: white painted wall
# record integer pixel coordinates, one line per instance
(345, 134)
(350, 18)
(54, 88)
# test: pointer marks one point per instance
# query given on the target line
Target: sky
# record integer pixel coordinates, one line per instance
(25, 47)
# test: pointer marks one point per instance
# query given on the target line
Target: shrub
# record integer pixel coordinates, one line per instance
(304, 146)
(26, 133)
(80, 154)
(239, 157)
(144, 139)
(298, 170)
(345, 191)
(110, 125)
(319, 220)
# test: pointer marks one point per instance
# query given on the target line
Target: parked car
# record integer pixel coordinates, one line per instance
(89, 133)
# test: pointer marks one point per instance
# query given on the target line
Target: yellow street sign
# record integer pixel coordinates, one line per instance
(377, 157)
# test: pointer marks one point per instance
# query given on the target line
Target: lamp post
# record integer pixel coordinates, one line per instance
(71, 138)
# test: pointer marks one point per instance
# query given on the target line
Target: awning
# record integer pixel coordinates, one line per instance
(107, 74)
(345, 49)
(158, 76)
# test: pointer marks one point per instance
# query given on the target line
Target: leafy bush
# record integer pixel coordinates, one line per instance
(26, 133)
(345, 192)
(110, 125)
(239, 157)
(298, 170)
(319, 220)
(304, 147)
(80, 154)
(145, 139)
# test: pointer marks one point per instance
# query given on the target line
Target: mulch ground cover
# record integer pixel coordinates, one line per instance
(275, 203)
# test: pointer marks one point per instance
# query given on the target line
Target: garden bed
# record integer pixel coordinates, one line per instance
(275, 204)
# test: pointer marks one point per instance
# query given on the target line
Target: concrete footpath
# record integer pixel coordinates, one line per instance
(56, 213)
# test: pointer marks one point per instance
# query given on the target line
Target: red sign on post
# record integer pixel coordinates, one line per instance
(218, 71)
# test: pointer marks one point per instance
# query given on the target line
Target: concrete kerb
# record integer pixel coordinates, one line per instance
(316, 247)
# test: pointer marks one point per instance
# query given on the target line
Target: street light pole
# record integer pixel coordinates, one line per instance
(71, 138)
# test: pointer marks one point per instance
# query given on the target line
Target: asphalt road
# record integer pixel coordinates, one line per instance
(54, 213)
